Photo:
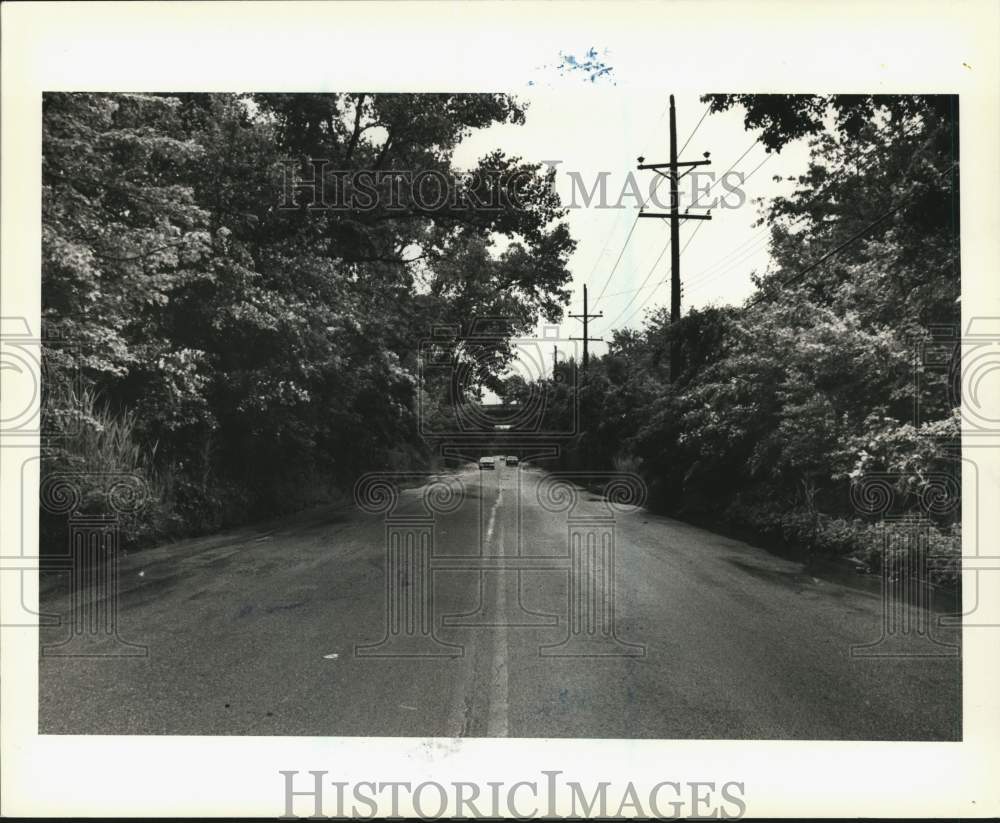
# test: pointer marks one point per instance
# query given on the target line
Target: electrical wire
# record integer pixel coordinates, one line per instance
(706, 192)
(652, 193)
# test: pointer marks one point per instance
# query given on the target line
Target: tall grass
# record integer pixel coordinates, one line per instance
(106, 441)
(89, 444)
(627, 463)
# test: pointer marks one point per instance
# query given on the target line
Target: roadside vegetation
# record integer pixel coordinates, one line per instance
(783, 406)
(246, 359)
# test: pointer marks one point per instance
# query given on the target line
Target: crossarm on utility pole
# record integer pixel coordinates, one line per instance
(675, 217)
(586, 317)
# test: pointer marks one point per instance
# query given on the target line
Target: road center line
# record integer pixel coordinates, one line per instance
(497, 722)
(493, 517)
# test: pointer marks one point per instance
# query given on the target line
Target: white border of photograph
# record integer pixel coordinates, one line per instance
(886, 47)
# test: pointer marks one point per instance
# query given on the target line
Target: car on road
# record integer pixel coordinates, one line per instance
(511, 460)
(487, 463)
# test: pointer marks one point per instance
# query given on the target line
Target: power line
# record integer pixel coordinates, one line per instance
(744, 251)
(640, 288)
(765, 231)
(687, 243)
(691, 237)
(604, 248)
(755, 237)
(657, 285)
(836, 250)
(666, 107)
(661, 282)
(674, 216)
(627, 239)
(708, 108)
(755, 240)
(612, 231)
(799, 275)
(715, 271)
(652, 193)
(634, 222)
(622, 252)
(722, 176)
(656, 263)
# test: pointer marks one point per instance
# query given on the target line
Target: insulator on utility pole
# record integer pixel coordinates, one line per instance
(675, 216)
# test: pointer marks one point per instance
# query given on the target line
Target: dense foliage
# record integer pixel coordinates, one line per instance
(781, 404)
(246, 358)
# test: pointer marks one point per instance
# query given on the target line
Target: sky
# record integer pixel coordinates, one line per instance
(605, 129)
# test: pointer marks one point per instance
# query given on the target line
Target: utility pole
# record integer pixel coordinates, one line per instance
(555, 359)
(675, 217)
(586, 317)
(675, 227)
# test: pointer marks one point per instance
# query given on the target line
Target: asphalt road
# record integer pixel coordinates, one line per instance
(261, 632)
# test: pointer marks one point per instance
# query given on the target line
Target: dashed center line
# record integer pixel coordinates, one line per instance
(497, 723)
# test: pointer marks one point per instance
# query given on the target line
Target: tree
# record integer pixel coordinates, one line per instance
(782, 403)
(260, 352)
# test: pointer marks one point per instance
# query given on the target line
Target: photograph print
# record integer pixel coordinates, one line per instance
(539, 414)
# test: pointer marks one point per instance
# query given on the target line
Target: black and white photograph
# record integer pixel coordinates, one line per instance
(575, 409)
(349, 437)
